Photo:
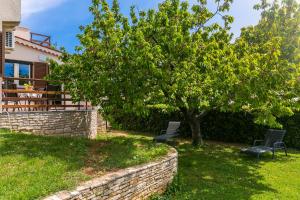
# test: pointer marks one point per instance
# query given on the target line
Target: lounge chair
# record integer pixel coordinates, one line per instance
(171, 132)
(273, 141)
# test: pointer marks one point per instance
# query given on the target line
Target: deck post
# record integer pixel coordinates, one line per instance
(1, 79)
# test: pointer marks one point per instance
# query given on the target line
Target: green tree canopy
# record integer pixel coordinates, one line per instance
(177, 58)
(271, 52)
(280, 19)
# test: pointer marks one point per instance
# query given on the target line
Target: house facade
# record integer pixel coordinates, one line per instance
(10, 17)
(29, 57)
(24, 58)
(23, 54)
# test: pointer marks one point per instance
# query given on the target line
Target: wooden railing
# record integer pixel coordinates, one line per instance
(41, 39)
(13, 98)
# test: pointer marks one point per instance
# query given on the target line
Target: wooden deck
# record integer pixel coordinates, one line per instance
(36, 99)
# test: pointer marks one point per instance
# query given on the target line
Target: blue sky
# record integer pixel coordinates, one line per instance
(61, 18)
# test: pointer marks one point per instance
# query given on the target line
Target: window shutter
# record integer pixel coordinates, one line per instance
(40, 70)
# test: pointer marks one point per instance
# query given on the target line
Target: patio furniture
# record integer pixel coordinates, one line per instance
(32, 98)
(38, 95)
(13, 96)
(53, 99)
(171, 132)
(273, 141)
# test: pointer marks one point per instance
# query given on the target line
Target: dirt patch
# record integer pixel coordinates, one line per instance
(115, 133)
(89, 171)
(94, 158)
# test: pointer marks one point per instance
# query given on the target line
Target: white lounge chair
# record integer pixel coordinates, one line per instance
(171, 132)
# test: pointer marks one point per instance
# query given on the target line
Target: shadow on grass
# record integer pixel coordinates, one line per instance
(103, 154)
(35, 166)
(217, 171)
(119, 152)
(69, 150)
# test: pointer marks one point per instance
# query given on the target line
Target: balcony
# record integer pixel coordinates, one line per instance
(49, 98)
(40, 39)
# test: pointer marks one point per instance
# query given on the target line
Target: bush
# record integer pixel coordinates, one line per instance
(226, 127)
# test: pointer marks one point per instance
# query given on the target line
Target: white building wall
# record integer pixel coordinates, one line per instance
(28, 54)
(10, 11)
(22, 32)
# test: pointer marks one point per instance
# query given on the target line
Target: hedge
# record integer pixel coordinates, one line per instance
(226, 127)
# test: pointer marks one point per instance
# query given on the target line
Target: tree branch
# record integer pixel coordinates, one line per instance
(172, 65)
(207, 20)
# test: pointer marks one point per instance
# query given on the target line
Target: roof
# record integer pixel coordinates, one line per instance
(38, 47)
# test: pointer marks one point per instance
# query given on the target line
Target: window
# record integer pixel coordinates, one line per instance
(9, 70)
(24, 72)
(17, 70)
(9, 40)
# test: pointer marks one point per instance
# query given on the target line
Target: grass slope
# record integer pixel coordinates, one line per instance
(35, 166)
(219, 171)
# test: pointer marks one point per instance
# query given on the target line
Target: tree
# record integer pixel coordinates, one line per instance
(176, 58)
(279, 19)
(271, 50)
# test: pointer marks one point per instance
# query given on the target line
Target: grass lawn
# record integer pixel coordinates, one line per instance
(218, 171)
(32, 167)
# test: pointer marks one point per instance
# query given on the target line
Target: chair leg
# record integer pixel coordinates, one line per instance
(273, 156)
(16, 103)
(285, 149)
(258, 156)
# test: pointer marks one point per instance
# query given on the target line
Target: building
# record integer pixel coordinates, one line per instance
(29, 57)
(24, 58)
(46, 108)
(23, 54)
(10, 17)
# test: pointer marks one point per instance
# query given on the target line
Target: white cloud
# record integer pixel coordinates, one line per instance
(30, 7)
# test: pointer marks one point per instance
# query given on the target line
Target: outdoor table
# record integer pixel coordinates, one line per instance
(30, 95)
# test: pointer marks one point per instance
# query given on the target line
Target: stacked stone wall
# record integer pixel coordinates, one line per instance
(138, 182)
(63, 123)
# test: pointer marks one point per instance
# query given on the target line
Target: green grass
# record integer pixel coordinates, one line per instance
(32, 167)
(219, 171)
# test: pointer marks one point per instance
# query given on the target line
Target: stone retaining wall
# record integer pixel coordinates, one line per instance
(64, 123)
(132, 183)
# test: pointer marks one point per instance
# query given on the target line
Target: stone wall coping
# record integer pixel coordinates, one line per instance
(112, 178)
(45, 112)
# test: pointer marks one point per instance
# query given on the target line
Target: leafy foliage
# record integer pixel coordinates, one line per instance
(271, 49)
(177, 58)
(279, 19)
(217, 126)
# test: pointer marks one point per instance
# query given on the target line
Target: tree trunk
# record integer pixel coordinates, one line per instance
(196, 131)
(193, 118)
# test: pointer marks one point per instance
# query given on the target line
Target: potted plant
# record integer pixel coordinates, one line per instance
(28, 86)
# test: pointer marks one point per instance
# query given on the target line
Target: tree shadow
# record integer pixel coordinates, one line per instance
(41, 165)
(69, 150)
(105, 154)
(123, 151)
(36, 166)
(217, 171)
(214, 171)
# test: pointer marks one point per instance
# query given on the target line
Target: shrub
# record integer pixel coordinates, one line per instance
(226, 127)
